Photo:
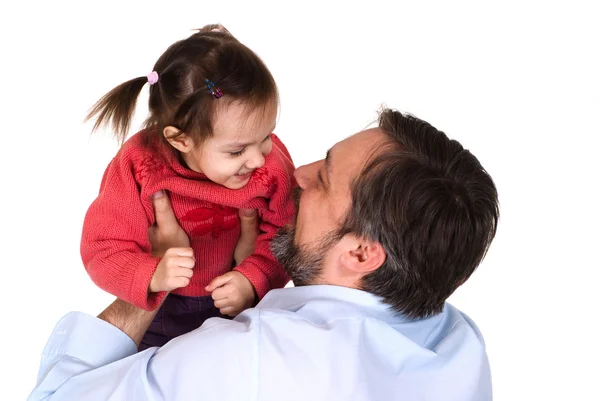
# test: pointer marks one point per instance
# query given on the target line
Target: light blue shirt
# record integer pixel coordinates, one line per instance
(305, 343)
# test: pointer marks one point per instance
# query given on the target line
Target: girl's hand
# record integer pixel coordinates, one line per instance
(232, 293)
(174, 270)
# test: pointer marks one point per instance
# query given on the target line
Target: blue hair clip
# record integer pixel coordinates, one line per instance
(213, 89)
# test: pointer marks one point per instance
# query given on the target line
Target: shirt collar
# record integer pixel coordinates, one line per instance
(352, 302)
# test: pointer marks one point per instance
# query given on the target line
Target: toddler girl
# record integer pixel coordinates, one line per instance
(208, 142)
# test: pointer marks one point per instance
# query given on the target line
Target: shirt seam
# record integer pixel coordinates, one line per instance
(445, 333)
(259, 317)
(323, 324)
(95, 362)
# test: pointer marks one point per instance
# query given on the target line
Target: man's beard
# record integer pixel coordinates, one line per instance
(303, 265)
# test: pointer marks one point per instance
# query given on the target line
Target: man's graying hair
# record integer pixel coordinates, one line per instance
(431, 205)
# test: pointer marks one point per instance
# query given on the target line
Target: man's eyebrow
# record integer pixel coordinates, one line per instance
(328, 166)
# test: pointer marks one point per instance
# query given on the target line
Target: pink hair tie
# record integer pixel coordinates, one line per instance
(152, 77)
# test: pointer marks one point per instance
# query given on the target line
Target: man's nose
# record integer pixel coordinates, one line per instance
(306, 174)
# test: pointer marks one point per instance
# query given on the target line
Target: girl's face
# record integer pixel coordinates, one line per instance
(239, 145)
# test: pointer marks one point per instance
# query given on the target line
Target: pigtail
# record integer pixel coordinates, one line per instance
(117, 107)
(194, 74)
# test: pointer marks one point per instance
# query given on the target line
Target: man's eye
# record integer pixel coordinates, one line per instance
(320, 178)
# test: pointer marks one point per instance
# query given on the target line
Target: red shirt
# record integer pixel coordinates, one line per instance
(114, 244)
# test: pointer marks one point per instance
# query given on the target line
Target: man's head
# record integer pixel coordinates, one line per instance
(400, 211)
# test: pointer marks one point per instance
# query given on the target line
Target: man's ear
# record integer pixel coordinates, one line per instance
(181, 142)
(362, 255)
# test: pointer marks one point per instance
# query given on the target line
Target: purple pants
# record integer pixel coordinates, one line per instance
(178, 315)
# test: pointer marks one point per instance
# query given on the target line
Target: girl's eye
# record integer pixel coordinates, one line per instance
(236, 154)
(267, 138)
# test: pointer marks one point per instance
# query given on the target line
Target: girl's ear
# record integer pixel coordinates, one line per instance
(179, 141)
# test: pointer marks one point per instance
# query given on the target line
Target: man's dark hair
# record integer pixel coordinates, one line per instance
(431, 205)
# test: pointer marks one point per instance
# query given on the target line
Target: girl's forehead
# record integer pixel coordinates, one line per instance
(236, 122)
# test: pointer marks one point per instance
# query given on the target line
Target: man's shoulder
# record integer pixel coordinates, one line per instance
(454, 328)
(216, 340)
(202, 363)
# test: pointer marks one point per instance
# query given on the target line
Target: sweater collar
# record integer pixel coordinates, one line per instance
(176, 163)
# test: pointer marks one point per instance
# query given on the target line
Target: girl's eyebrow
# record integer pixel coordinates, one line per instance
(244, 144)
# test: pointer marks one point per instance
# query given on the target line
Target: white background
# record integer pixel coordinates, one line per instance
(518, 83)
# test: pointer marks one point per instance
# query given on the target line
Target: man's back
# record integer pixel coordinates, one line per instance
(306, 343)
(326, 343)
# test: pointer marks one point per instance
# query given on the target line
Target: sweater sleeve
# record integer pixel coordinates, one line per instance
(262, 268)
(114, 244)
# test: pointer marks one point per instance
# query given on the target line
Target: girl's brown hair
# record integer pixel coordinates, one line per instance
(181, 98)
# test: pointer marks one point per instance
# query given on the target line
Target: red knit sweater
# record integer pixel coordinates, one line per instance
(115, 247)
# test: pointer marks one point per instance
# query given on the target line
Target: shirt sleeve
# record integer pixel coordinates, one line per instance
(114, 244)
(88, 359)
(262, 268)
(78, 344)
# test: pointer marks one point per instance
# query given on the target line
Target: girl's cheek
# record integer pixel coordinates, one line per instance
(234, 166)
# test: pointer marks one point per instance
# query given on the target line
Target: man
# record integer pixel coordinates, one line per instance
(388, 226)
